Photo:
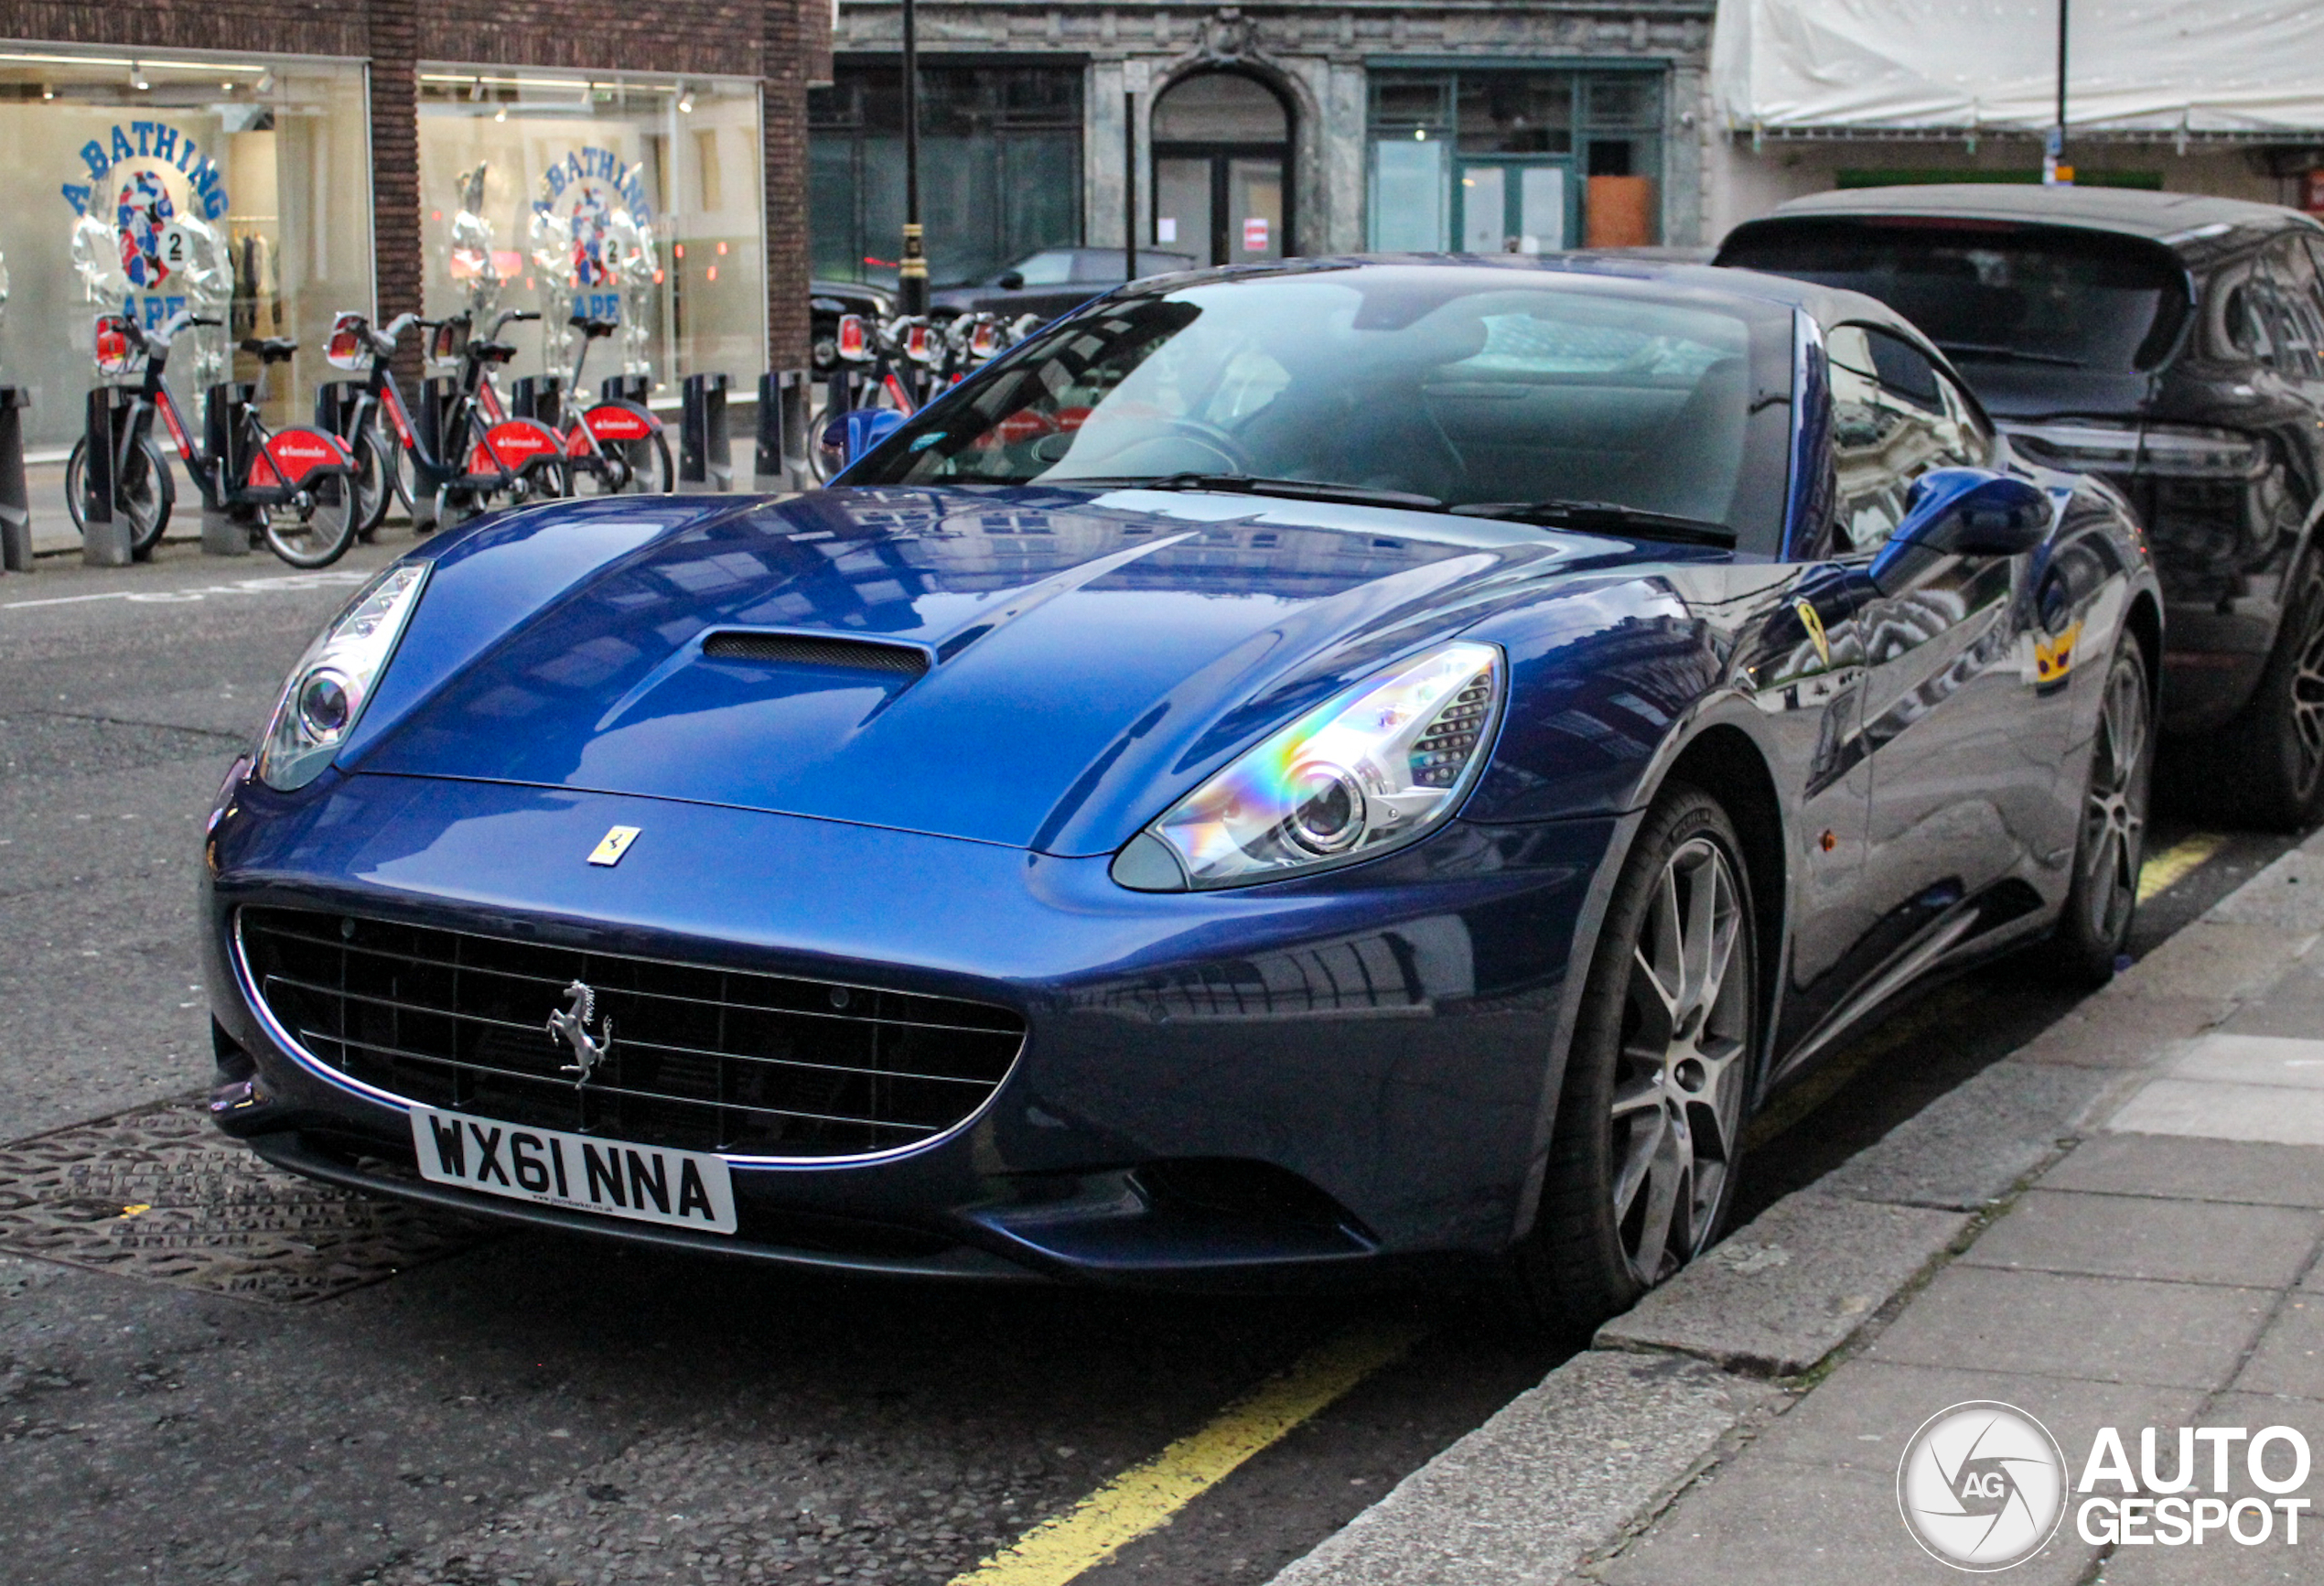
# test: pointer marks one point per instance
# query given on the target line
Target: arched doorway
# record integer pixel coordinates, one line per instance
(1222, 169)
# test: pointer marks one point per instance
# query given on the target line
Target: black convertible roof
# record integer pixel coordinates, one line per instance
(2161, 217)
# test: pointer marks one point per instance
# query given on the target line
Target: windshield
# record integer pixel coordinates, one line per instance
(1465, 385)
(1990, 290)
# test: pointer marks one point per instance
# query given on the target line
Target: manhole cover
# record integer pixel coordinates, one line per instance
(159, 1193)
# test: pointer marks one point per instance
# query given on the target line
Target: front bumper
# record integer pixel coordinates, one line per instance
(1372, 1053)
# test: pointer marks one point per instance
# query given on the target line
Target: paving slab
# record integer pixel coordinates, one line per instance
(2295, 1008)
(2124, 1032)
(1776, 1523)
(2285, 1115)
(1974, 1145)
(2101, 1329)
(2238, 1058)
(2191, 1168)
(1865, 1412)
(1800, 1281)
(2290, 1357)
(1524, 1499)
(2133, 1236)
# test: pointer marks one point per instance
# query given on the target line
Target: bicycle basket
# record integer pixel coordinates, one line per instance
(345, 349)
(116, 353)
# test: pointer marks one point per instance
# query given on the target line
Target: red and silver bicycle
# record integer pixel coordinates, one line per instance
(295, 487)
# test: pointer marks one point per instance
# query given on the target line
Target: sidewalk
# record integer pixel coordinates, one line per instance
(2117, 1226)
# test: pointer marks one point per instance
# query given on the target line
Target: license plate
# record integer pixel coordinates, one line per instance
(578, 1172)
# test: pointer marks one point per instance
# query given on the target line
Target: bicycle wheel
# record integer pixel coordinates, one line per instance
(638, 468)
(373, 489)
(145, 494)
(314, 528)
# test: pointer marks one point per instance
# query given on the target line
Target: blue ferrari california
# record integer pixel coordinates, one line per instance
(1324, 769)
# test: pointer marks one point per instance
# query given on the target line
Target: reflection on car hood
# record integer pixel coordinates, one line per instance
(1073, 660)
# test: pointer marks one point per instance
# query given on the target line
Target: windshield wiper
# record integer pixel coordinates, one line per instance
(1609, 515)
(1995, 353)
(1255, 485)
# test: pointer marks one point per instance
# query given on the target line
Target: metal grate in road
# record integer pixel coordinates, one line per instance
(160, 1194)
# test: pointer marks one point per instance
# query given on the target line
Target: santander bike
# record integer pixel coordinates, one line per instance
(295, 488)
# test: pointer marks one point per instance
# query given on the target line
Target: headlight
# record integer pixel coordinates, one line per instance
(1368, 771)
(333, 681)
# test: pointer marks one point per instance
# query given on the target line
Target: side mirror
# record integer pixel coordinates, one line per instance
(1010, 281)
(1964, 512)
(854, 432)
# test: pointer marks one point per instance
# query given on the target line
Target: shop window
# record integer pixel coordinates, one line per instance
(234, 186)
(601, 196)
(1000, 149)
(1513, 159)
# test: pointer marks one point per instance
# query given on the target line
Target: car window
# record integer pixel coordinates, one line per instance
(1053, 268)
(1992, 296)
(1470, 386)
(1895, 416)
(2300, 325)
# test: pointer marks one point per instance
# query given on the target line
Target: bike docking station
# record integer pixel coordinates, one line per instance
(16, 504)
(107, 539)
(705, 452)
(225, 530)
(778, 465)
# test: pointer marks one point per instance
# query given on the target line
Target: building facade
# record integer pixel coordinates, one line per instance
(272, 163)
(1255, 131)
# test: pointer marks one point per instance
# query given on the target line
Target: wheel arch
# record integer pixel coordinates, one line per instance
(1726, 764)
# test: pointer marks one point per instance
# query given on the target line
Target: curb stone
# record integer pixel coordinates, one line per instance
(1568, 1473)
(1612, 1436)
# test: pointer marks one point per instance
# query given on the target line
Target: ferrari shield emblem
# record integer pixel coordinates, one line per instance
(1815, 625)
(613, 845)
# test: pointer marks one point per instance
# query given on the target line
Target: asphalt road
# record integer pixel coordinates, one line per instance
(539, 1408)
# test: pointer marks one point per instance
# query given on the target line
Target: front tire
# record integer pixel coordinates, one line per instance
(2111, 841)
(1648, 1140)
(315, 528)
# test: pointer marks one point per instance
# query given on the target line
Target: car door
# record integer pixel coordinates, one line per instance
(1964, 777)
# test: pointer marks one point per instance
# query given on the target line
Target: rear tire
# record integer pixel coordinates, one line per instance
(374, 491)
(2273, 751)
(1643, 1158)
(2111, 835)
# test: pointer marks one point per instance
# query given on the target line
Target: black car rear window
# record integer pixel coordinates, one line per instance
(1988, 291)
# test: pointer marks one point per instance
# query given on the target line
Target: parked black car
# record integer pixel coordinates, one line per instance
(1052, 281)
(2172, 344)
(828, 300)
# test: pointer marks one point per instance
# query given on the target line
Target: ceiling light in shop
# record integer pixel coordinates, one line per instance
(138, 76)
(501, 114)
(265, 81)
(686, 101)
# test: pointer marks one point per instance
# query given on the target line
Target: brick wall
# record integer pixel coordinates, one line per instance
(785, 42)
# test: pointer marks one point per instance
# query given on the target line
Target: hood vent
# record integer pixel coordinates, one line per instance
(826, 650)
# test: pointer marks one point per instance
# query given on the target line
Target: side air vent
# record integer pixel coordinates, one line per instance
(817, 650)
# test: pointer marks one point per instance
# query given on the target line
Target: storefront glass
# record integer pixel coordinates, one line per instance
(236, 186)
(629, 198)
(1000, 153)
(1513, 159)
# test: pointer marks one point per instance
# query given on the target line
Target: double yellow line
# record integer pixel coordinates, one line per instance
(1145, 1497)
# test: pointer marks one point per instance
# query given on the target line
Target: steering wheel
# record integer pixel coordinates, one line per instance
(1237, 459)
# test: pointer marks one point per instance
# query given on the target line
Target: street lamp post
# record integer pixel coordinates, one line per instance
(2055, 171)
(912, 274)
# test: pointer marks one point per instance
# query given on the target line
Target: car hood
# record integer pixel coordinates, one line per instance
(1047, 669)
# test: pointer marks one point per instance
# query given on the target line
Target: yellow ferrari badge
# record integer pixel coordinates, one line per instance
(613, 845)
(2053, 658)
(1815, 625)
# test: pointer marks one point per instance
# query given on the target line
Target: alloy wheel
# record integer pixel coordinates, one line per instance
(2308, 682)
(2114, 829)
(1678, 1093)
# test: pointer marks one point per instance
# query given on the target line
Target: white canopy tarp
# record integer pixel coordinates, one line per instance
(2161, 66)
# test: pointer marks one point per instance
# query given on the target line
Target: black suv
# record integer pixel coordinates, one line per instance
(2173, 345)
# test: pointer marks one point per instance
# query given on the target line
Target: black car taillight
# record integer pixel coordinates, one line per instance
(2161, 451)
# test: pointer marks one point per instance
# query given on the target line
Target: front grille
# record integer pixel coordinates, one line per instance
(701, 1059)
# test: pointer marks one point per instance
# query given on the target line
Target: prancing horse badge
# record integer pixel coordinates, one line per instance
(613, 845)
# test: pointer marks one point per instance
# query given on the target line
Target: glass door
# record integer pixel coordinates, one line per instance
(1513, 205)
(1225, 206)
